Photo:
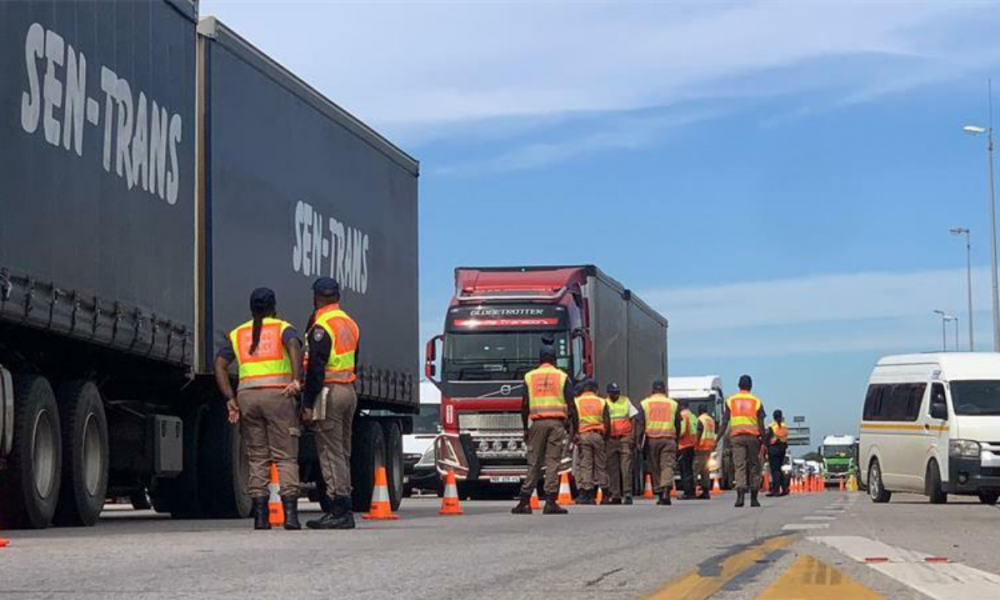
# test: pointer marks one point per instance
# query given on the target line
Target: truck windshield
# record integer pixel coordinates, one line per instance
(976, 397)
(497, 355)
(838, 451)
(429, 419)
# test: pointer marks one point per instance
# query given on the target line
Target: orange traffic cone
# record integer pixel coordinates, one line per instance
(275, 512)
(647, 492)
(600, 497)
(535, 504)
(716, 487)
(767, 481)
(381, 509)
(794, 486)
(449, 503)
(842, 486)
(565, 496)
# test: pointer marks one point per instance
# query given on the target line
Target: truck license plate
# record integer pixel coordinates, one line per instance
(505, 479)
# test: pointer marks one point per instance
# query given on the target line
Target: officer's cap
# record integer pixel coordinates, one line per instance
(613, 388)
(326, 286)
(590, 385)
(659, 386)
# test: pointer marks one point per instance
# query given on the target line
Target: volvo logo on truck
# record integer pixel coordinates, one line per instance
(328, 247)
(140, 136)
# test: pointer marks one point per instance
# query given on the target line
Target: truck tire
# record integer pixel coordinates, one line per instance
(394, 459)
(180, 495)
(933, 487)
(85, 455)
(876, 489)
(223, 467)
(367, 454)
(30, 488)
(989, 498)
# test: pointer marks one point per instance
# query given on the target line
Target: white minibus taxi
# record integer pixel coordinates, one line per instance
(931, 425)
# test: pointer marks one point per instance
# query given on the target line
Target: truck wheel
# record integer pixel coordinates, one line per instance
(30, 489)
(179, 495)
(224, 467)
(394, 458)
(84, 454)
(989, 498)
(367, 454)
(933, 487)
(876, 490)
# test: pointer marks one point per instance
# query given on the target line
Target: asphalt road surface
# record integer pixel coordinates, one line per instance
(819, 546)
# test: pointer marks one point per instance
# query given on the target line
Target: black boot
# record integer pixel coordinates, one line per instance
(664, 497)
(740, 496)
(586, 497)
(552, 507)
(261, 518)
(628, 500)
(706, 494)
(340, 517)
(753, 499)
(291, 506)
(523, 506)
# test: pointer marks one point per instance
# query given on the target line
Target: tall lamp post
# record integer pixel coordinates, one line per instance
(945, 317)
(968, 261)
(977, 130)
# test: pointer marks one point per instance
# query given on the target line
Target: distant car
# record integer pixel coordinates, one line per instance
(419, 472)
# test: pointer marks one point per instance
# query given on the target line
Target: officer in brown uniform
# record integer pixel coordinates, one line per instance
(621, 444)
(744, 421)
(592, 425)
(547, 409)
(268, 352)
(659, 424)
(329, 400)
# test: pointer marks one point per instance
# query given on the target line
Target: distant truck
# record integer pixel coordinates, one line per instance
(155, 170)
(839, 457)
(706, 391)
(494, 329)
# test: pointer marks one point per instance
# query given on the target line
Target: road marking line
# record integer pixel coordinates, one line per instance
(816, 580)
(939, 580)
(709, 577)
(805, 526)
(819, 518)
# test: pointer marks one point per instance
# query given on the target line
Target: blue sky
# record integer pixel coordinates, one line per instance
(778, 178)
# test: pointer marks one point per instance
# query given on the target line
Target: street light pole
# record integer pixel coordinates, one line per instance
(968, 262)
(944, 331)
(956, 333)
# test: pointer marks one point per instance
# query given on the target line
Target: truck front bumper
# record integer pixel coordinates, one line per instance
(969, 476)
(486, 459)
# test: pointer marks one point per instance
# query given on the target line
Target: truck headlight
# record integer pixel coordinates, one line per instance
(963, 448)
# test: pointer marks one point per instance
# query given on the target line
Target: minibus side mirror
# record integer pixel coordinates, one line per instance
(939, 410)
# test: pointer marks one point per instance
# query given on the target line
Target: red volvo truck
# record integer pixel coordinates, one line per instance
(493, 331)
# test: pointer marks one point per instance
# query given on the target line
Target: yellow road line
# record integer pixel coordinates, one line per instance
(813, 579)
(702, 582)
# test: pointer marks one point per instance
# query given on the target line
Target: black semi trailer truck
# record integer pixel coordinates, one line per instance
(153, 171)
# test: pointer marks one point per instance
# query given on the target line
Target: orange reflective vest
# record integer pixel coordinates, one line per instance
(344, 335)
(779, 433)
(689, 430)
(660, 413)
(590, 412)
(743, 410)
(545, 392)
(269, 366)
(621, 420)
(707, 441)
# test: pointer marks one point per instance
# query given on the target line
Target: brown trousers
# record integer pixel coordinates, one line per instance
(546, 438)
(702, 476)
(333, 438)
(746, 461)
(593, 461)
(662, 460)
(269, 422)
(619, 460)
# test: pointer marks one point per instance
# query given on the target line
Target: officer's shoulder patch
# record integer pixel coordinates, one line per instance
(318, 334)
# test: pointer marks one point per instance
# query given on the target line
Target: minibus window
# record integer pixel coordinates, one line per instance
(980, 398)
(894, 402)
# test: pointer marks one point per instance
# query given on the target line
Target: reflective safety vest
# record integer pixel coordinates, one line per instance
(689, 430)
(344, 335)
(660, 413)
(268, 367)
(779, 433)
(743, 409)
(707, 441)
(590, 412)
(545, 392)
(621, 420)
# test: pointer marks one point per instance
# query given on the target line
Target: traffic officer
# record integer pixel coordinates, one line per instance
(268, 352)
(329, 400)
(592, 425)
(686, 441)
(547, 409)
(776, 440)
(744, 422)
(658, 427)
(621, 444)
(703, 451)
